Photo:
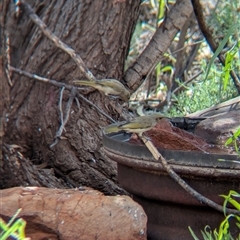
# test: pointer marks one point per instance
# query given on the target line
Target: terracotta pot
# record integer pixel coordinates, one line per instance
(170, 209)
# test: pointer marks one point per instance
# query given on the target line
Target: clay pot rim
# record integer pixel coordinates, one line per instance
(116, 143)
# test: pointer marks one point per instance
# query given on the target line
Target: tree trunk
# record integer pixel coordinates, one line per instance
(99, 31)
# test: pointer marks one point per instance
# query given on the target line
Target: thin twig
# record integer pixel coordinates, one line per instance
(76, 57)
(68, 108)
(60, 104)
(77, 102)
(8, 60)
(181, 182)
(60, 85)
(189, 45)
(59, 132)
(64, 121)
(188, 81)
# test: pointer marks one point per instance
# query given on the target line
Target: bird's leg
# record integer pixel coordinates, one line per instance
(114, 97)
(144, 137)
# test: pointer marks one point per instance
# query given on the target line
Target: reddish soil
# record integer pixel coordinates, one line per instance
(166, 136)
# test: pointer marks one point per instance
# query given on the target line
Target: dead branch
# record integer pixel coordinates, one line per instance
(176, 18)
(60, 85)
(64, 121)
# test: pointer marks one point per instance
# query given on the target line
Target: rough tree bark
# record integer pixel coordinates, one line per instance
(100, 32)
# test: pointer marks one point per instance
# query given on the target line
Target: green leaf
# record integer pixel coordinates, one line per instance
(229, 141)
(228, 64)
(207, 234)
(224, 228)
(237, 133)
(193, 234)
(220, 47)
(161, 9)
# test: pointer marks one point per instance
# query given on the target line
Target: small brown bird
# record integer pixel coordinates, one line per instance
(107, 86)
(137, 125)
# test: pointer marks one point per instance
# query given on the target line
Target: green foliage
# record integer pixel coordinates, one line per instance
(13, 229)
(201, 94)
(214, 85)
(224, 14)
(233, 140)
(229, 198)
(229, 64)
(223, 232)
(221, 46)
(215, 88)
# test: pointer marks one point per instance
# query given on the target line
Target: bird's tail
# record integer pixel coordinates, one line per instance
(84, 82)
(111, 129)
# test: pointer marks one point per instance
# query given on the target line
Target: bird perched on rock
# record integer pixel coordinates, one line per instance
(107, 86)
(137, 125)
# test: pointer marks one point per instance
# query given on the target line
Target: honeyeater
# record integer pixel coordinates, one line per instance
(107, 86)
(137, 125)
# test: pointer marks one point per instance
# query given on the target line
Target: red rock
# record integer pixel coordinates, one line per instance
(74, 214)
(218, 129)
(166, 136)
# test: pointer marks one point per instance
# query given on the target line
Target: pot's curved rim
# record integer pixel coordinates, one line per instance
(118, 142)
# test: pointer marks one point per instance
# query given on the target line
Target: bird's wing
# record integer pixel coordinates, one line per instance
(131, 125)
(83, 82)
(109, 82)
